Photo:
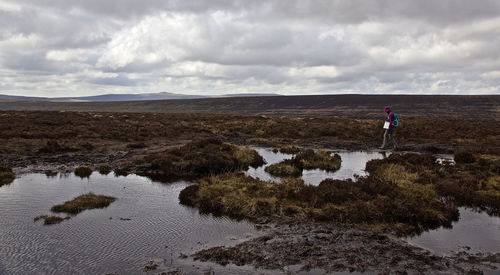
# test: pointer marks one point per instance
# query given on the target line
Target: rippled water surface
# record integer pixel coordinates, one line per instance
(97, 241)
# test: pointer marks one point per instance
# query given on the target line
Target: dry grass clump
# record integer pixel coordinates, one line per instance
(464, 157)
(475, 184)
(83, 202)
(104, 168)
(404, 193)
(292, 149)
(199, 158)
(307, 159)
(284, 169)
(83, 171)
(389, 198)
(6, 175)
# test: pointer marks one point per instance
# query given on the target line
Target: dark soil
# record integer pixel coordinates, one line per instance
(337, 248)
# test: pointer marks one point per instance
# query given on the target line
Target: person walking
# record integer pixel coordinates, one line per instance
(390, 125)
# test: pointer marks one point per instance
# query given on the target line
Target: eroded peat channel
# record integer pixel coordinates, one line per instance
(294, 229)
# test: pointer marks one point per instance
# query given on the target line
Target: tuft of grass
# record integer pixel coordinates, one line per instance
(6, 175)
(289, 149)
(283, 169)
(83, 202)
(309, 159)
(48, 220)
(197, 159)
(464, 157)
(83, 171)
(104, 168)
(50, 173)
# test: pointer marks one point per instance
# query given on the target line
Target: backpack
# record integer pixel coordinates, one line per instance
(395, 122)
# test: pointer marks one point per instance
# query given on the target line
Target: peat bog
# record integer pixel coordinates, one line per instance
(401, 195)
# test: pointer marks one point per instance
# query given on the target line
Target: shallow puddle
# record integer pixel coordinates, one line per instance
(476, 231)
(353, 163)
(98, 241)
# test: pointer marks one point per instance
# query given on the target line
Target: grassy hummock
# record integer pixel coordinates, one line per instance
(83, 202)
(309, 159)
(83, 171)
(6, 175)
(199, 158)
(306, 159)
(402, 193)
(284, 169)
(104, 168)
(292, 149)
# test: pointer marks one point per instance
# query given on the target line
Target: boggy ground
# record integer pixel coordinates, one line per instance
(37, 140)
(399, 196)
(350, 226)
(340, 248)
(403, 194)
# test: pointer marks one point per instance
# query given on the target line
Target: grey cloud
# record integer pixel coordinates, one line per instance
(120, 80)
(321, 46)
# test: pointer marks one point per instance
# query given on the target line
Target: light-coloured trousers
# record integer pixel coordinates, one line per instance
(389, 137)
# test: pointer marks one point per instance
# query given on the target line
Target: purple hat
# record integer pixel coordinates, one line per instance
(387, 109)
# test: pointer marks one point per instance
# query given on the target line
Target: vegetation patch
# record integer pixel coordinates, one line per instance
(51, 173)
(309, 159)
(284, 169)
(83, 171)
(306, 159)
(104, 168)
(199, 158)
(288, 150)
(6, 175)
(83, 202)
(405, 194)
(48, 220)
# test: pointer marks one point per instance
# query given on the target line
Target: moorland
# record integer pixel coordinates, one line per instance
(209, 141)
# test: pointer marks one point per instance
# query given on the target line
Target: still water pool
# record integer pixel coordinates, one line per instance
(98, 241)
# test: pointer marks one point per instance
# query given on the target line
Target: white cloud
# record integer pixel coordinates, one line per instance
(224, 46)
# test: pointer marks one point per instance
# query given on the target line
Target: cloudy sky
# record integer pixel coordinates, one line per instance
(87, 47)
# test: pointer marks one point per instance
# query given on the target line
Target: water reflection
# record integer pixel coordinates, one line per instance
(474, 230)
(353, 163)
(103, 240)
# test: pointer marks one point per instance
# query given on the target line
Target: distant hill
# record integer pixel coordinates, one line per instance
(106, 97)
(357, 106)
(123, 97)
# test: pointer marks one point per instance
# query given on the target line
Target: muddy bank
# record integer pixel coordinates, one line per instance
(337, 248)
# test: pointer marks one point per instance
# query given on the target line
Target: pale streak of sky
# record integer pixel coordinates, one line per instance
(76, 48)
